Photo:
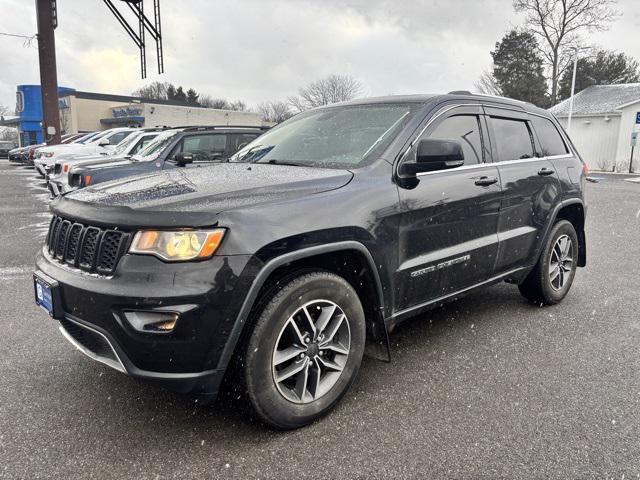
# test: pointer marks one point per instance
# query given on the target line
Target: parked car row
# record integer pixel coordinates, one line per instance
(5, 148)
(272, 270)
(97, 157)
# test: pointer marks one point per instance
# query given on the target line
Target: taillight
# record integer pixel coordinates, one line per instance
(585, 169)
(87, 180)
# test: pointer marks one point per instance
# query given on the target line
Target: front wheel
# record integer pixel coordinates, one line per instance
(550, 280)
(305, 349)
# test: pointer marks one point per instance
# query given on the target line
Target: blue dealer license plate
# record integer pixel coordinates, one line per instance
(44, 294)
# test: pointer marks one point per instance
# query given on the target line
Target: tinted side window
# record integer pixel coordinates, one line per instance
(512, 138)
(464, 129)
(550, 139)
(205, 148)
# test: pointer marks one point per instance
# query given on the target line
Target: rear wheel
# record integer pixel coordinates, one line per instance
(550, 280)
(304, 350)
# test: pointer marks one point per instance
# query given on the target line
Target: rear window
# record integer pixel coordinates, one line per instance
(550, 139)
(512, 138)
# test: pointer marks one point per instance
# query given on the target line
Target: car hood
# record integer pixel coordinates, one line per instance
(107, 162)
(89, 160)
(70, 149)
(210, 190)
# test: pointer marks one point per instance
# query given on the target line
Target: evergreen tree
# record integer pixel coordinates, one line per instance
(171, 92)
(604, 68)
(192, 97)
(518, 68)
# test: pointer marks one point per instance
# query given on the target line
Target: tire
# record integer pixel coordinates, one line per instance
(281, 401)
(545, 284)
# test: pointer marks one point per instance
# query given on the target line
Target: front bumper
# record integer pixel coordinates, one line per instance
(56, 188)
(208, 294)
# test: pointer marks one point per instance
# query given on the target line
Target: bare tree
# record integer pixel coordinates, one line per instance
(238, 106)
(559, 23)
(275, 111)
(332, 89)
(487, 84)
(155, 91)
(208, 101)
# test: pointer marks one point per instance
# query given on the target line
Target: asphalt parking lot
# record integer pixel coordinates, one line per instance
(487, 387)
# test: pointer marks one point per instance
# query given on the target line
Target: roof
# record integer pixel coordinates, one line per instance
(599, 100)
(426, 98)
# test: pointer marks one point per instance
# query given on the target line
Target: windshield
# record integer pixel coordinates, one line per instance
(155, 147)
(99, 135)
(124, 145)
(339, 137)
(86, 138)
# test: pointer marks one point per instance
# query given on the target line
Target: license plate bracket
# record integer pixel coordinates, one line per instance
(47, 294)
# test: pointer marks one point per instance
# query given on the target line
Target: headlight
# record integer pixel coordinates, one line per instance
(47, 154)
(178, 246)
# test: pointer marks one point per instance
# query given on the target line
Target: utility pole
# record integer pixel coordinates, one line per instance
(46, 11)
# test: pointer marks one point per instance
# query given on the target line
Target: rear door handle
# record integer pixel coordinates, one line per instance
(546, 171)
(486, 181)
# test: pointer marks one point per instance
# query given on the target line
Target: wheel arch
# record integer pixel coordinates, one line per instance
(574, 211)
(331, 257)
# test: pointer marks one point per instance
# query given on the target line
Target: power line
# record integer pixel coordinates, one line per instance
(27, 39)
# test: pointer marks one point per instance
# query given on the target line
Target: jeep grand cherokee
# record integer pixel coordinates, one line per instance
(327, 231)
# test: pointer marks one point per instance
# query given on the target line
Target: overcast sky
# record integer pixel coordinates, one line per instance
(255, 50)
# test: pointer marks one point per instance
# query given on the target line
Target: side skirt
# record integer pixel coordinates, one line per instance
(402, 315)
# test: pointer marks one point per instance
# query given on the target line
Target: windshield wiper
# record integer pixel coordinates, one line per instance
(274, 161)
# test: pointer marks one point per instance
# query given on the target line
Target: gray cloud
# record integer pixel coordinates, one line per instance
(265, 49)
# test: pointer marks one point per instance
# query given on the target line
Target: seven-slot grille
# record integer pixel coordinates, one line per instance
(57, 168)
(89, 248)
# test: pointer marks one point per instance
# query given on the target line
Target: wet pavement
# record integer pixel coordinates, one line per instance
(486, 387)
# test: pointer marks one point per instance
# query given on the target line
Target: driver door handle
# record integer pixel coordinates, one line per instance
(546, 171)
(486, 181)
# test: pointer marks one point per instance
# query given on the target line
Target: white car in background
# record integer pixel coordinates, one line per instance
(103, 142)
(57, 180)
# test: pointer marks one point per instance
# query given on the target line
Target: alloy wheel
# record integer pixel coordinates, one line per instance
(561, 262)
(311, 351)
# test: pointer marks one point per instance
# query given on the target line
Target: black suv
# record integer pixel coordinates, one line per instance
(273, 270)
(179, 147)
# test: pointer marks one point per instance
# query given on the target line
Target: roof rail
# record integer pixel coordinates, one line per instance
(460, 92)
(222, 127)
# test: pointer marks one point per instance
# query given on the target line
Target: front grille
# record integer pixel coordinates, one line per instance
(86, 247)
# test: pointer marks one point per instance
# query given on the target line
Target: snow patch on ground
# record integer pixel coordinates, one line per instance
(7, 273)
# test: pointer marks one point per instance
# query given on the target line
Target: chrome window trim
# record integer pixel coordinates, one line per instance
(437, 115)
(446, 109)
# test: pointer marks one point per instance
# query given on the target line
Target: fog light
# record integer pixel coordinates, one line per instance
(152, 322)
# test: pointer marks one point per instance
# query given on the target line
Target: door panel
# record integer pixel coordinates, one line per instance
(448, 227)
(530, 189)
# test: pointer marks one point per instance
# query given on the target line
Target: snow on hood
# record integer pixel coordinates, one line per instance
(212, 188)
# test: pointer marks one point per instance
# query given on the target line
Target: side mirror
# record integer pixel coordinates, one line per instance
(104, 142)
(434, 154)
(183, 158)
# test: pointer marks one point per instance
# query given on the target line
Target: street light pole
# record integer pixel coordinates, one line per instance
(46, 11)
(573, 90)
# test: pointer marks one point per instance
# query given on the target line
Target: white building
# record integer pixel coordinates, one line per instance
(87, 111)
(604, 117)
